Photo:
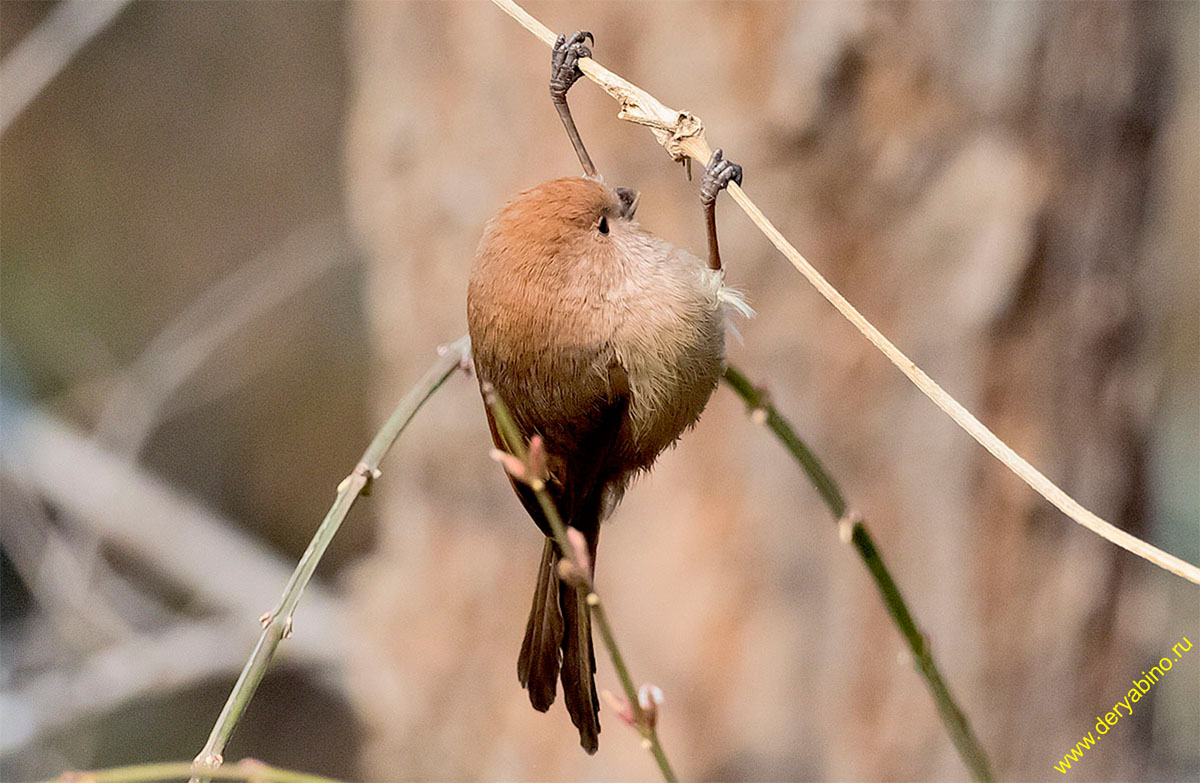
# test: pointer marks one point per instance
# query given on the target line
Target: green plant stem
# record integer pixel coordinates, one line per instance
(278, 625)
(245, 770)
(953, 718)
(517, 447)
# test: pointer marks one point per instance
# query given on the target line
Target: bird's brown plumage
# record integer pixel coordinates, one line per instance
(608, 342)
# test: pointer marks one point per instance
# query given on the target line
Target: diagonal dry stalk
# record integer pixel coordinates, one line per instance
(853, 530)
(45, 52)
(146, 389)
(277, 625)
(682, 134)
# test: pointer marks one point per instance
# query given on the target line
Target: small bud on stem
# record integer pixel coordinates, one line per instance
(512, 465)
(845, 526)
(621, 706)
(649, 697)
(569, 573)
(579, 549)
(537, 461)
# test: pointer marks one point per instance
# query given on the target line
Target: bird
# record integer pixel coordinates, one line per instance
(605, 341)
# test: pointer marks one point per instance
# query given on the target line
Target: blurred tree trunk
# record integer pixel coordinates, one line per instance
(980, 179)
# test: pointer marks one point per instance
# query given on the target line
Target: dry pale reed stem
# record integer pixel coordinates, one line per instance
(682, 134)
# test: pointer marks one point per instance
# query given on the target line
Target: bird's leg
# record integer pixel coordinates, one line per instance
(564, 70)
(717, 175)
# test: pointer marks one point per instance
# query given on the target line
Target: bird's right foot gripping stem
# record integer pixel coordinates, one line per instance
(717, 176)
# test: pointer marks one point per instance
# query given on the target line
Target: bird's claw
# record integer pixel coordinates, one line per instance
(717, 176)
(564, 62)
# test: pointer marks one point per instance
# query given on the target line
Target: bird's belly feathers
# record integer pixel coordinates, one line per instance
(657, 312)
(668, 333)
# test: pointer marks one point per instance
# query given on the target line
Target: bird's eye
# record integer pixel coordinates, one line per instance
(603, 224)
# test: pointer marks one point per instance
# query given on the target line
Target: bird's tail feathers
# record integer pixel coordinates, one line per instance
(558, 638)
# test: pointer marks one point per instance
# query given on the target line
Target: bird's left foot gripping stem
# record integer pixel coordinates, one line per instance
(717, 176)
(564, 70)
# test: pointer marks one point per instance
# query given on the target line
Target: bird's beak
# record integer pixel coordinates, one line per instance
(629, 201)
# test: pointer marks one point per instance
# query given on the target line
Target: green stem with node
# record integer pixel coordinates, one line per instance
(969, 748)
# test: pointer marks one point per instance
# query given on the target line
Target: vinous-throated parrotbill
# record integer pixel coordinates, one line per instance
(607, 342)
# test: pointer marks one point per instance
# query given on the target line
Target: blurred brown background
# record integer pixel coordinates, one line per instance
(233, 234)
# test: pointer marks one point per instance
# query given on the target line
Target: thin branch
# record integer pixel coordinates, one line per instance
(644, 720)
(44, 53)
(177, 657)
(67, 582)
(682, 134)
(278, 624)
(217, 564)
(166, 534)
(953, 718)
(247, 770)
(143, 390)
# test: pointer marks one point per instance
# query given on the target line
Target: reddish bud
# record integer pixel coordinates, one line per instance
(568, 573)
(513, 466)
(537, 460)
(579, 548)
(620, 706)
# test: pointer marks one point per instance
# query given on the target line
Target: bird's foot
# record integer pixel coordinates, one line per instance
(564, 62)
(717, 176)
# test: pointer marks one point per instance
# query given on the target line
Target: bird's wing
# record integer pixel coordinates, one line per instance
(584, 456)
